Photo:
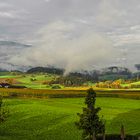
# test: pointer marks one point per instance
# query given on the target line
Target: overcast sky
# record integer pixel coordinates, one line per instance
(74, 34)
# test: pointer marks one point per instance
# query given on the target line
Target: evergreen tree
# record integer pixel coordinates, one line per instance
(89, 121)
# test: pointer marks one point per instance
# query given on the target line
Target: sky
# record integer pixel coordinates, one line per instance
(73, 34)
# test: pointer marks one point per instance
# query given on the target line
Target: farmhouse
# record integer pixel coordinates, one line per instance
(4, 85)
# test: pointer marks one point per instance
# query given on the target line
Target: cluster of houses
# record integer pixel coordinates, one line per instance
(4, 85)
(7, 85)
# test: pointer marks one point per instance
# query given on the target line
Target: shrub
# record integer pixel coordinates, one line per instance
(4, 112)
(56, 87)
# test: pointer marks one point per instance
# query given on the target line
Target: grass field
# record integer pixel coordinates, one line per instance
(133, 83)
(37, 83)
(8, 76)
(26, 80)
(53, 119)
(38, 77)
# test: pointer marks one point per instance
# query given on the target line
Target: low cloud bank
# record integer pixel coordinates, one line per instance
(58, 45)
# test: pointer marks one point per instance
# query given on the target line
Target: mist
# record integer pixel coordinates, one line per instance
(57, 44)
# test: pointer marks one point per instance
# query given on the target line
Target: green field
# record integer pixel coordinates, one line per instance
(26, 79)
(38, 77)
(53, 119)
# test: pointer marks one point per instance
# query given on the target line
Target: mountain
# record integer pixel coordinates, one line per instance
(137, 66)
(13, 43)
(3, 70)
(50, 70)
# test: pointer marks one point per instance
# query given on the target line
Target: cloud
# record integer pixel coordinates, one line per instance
(135, 28)
(47, 0)
(82, 26)
(126, 36)
(5, 5)
(8, 51)
(7, 15)
(9, 11)
(110, 13)
(57, 46)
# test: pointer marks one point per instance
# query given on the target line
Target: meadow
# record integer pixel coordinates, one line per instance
(34, 81)
(53, 119)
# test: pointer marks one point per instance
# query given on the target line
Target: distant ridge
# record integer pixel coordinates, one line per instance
(50, 70)
(13, 43)
(3, 70)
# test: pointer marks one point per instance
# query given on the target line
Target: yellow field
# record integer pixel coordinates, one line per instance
(69, 92)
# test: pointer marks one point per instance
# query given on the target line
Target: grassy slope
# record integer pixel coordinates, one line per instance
(8, 76)
(37, 77)
(37, 84)
(5, 73)
(53, 119)
(133, 83)
(136, 83)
